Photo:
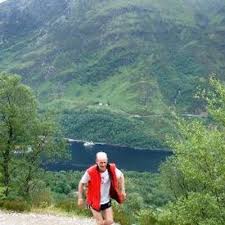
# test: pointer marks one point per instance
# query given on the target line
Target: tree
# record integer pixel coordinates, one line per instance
(24, 137)
(45, 143)
(17, 110)
(196, 172)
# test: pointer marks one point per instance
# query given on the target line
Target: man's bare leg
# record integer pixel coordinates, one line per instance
(108, 216)
(104, 218)
(98, 217)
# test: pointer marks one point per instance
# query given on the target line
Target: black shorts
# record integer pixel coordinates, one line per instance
(102, 206)
(106, 205)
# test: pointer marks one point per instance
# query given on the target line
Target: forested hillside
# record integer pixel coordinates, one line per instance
(113, 70)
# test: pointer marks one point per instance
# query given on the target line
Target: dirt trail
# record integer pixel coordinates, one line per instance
(12, 218)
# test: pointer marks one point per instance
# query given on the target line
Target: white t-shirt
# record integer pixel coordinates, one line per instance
(105, 184)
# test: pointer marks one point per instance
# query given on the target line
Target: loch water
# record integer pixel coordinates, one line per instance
(126, 158)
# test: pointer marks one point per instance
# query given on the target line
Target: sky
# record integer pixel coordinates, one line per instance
(2, 1)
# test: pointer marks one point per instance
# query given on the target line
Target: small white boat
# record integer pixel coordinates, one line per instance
(89, 144)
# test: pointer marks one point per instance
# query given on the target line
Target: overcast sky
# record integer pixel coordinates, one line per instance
(2, 0)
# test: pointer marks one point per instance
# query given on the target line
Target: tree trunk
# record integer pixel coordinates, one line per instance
(6, 161)
(6, 175)
(27, 181)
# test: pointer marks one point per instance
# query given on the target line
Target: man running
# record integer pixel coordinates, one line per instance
(103, 182)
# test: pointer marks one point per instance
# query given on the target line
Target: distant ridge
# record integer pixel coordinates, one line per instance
(93, 62)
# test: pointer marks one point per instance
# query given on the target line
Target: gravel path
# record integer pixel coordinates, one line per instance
(11, 218)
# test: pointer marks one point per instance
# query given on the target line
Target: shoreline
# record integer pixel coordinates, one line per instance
(70, 140)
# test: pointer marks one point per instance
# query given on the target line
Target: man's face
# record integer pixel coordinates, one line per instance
(102, 163)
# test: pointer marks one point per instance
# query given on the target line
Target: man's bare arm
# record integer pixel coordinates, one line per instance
(80, 200)
(122, 186)
(122, 183)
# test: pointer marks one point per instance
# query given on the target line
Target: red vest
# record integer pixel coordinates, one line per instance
(94, 186)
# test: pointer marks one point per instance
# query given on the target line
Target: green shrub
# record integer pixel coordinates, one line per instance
(15, 205)
(165, 217)
(67, 205)
(147, 217)
(70, 205)
(197, 208)
(135, 201)
(122, 216)
(40, 195)
(2, 189)
(42, 199)
(1, 203)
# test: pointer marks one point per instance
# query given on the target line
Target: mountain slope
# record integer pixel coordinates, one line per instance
(122, 62)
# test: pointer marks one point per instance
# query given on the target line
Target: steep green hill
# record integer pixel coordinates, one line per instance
(113, 69)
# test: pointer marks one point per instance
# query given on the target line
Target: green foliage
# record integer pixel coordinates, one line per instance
(62, 182)
(150, 56)
(17, 114)
(24, 137)
(15, 205)
(215, 98)
(195, 173)
(135, 201)
(94, 125)
(70, 205)
(147, 217)
(2, 189)
(40, 196)
(122, 216)
(198, 208)
(145, 190)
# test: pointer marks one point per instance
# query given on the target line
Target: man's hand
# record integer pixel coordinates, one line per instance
(80, 202)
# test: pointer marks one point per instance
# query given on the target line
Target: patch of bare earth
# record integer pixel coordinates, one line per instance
(12, 218)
